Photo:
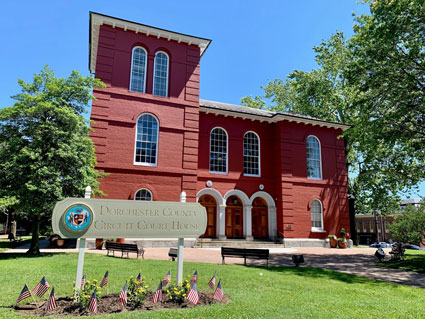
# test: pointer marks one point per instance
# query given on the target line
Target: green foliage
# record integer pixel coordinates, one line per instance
(137, 291)
(84, 294)
(409, 227)
(341, 239)
(374, 81)
(45, 151)
(342, 232)
(178, 293)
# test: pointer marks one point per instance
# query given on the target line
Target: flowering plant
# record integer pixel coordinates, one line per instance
(177, 294)
(137, 291)
(84, 294)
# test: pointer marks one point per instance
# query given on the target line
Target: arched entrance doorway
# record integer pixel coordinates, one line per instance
(260, 223)
(210, 205)
(234, 217)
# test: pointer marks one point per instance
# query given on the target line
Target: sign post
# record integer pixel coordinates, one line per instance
(81, 251)
(180, 249)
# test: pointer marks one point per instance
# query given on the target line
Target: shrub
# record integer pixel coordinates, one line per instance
(137, 291)
(177, 294)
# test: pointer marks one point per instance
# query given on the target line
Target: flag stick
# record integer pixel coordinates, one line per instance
(31, 295)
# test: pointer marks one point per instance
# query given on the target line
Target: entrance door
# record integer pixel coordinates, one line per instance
(260, 225)
(211, 207)
(234, 217)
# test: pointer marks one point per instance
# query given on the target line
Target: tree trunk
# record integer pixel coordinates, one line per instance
(35, 247)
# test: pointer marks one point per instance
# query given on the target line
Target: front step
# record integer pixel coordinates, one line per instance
(238, 243)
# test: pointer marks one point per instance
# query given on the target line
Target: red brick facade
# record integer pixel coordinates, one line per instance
(184, 141)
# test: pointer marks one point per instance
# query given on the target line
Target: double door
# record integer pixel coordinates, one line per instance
(234, 222)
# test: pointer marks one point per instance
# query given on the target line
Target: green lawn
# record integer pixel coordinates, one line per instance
(280, 292)
(5, 243)
(415, 261)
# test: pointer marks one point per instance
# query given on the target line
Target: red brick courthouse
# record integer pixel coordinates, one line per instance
(260, 174)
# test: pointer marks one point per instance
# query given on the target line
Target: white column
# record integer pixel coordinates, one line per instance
(222, 223)
(81, 251)
(180, 249)
(272, 223)
(248, 222)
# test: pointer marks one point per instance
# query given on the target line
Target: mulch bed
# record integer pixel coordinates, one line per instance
(110, 304)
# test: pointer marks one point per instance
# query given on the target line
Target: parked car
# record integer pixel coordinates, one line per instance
(409, 246)
(380, 245)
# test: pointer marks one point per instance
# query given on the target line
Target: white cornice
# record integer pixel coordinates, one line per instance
(273, 119)
(98, 19)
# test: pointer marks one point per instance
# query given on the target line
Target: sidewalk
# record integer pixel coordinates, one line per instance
(357, 261)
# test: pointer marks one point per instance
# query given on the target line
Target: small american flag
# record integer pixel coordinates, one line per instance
(218, 294)
(123, 295)
(157, 296)
(92, 306)
(25, 293)
(41, 287)
(194, 278)
(139, 277)
(192, 295)
(166, 279)
(211, 283)
(51, 302)
(83, 281)
(105, 279)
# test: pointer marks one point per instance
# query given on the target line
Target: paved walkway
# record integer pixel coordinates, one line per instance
(358, 261)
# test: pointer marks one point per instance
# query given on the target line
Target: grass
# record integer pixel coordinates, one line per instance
(280, 292)
(6, 244)
(414, 261)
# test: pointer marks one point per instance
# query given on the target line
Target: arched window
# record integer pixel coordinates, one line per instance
(143, 194)
(146, 140)
(218, 151)
(138, 70)
(316, 215)
(160, 77)
(314, 162)
(251, 154)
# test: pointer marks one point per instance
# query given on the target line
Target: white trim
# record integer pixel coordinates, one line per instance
(227, 152)
(238, 193)
(317, 229)
(131, 69)
(141, 190)
(157, 143)
(271, 209)
(259, 154)
(219, 201)
(320, 153)
(168, 74)
(274, 119)
(97, 20)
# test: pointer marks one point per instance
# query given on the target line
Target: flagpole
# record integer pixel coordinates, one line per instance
(180, 248)
(31, 294)
(81, 251)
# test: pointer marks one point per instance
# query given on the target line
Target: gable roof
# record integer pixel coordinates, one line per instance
(233, 110)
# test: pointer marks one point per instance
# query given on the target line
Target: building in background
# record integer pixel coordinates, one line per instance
(260, 174)
(372, 228)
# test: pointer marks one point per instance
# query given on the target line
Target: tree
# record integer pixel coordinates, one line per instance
(46, 153)
(409, 227)
(375, 82)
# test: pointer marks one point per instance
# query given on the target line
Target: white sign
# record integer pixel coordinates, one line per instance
(102, 218)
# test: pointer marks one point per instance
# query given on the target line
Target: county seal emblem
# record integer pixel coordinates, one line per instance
(77, 218)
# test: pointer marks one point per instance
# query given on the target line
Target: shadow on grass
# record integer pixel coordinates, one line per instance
(413, 263)
(6, 256)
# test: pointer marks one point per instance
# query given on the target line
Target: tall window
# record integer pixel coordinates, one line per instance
(251, 154)
(316, 215)
(146, 140)
(314, 165)
(218, 151)
(160, 77)
(143, 194)
(138, 70)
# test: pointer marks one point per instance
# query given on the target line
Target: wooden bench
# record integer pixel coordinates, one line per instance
(172, 253)
(245, 253)
(124, 248)
(397, 251)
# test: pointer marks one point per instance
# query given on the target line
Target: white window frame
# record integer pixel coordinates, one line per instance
(227, 152)
(317, 229)
(157, 142)
(131, 69)
(143, 189)
(168, 74)
(259, 154)
(320, 154)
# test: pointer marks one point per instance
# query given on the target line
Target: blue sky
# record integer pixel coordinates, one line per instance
(253, 41)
